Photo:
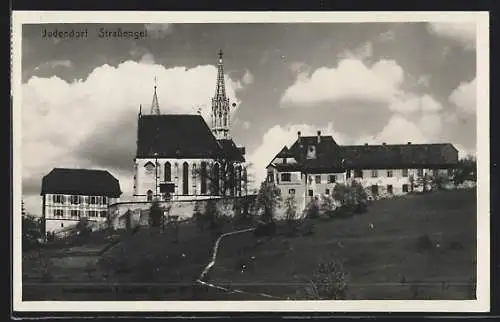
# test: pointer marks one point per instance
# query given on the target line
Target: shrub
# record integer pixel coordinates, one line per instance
(327, 206)
(329, 281)
(155, 214)
(312, 209)
(267, 200)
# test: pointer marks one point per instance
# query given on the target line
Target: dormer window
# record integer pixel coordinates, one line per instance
(311, 152)
(284, 160)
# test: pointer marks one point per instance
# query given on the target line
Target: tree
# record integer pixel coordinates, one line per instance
(290, 211)
(32, 230)
(466, 170)
(268, 198)
(155, 214)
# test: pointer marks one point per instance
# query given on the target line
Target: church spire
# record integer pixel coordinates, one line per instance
(155, 106)
(220, 105)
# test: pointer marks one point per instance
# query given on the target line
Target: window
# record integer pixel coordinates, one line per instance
(93, 200)
(317, 179)
(420, 172)
(310, 193)
(332, 178)
(405, 188)
(374, 190)
(327, 192)
(57, 199)
(104, 200)
(185, 178)
(284, 160)
(374, 173)
(286, 177)
(348, 174)
(58, 213)
(291, 192)
(82, 199)
(150, 195)
(104, 214)
(389, 173)
(270, 177)
(389, 189)
(75, 213)
(75, 200)
(92, 213)
(203, 177)
(358, 173)
(168, 172)
(405, 172)
(62, 225)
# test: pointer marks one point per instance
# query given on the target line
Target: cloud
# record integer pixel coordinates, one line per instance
(92, 122)
(297, 67)
(278, 136)
(362, 52)
(159, 30)
(247, 78)
(54, 63)
(462, 32)
(246, 125)
(386, 36)
(464, 97)
(351, 80)
(412, 103)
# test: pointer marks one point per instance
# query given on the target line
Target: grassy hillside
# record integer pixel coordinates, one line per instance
(388, 261)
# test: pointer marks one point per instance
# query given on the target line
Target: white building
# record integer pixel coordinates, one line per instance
(313, 165)
(179, 156)
(69, 195)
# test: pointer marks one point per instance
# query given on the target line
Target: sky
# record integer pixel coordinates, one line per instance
(359, 82)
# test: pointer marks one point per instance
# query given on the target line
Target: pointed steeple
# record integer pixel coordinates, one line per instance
(155, 106)
(221, 114)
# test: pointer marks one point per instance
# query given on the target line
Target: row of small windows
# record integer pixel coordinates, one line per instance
(374, 190)
(75, 213)
(75, 200)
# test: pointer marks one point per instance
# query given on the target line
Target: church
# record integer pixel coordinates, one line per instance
(181, 157)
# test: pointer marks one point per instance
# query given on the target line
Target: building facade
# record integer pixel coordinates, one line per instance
(178, 156)
(313, 165)
(70, 195)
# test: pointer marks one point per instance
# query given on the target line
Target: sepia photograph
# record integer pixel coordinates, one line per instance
(314, 162)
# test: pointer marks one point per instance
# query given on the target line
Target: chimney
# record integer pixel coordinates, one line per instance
(409, 143)
(319, 136)
(298, 137)
(366, 144)
(383, 143)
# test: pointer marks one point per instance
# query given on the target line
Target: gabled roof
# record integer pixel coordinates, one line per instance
(175, 136)
(330, 157)
(399, 155)
(88, 182)
(231, 151)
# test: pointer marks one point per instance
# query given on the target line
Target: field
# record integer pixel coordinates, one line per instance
(381, 252)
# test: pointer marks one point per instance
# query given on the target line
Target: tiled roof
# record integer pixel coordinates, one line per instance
(399, 155)
(331, 157)
(81, 182)
(181, 136)
(233, 152)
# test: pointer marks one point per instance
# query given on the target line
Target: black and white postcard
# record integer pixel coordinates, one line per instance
(225, 161)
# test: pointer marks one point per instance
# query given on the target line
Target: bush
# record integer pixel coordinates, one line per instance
(327, 206)
(352, 198)
(312, 209)
(329, 281)
(267, 200)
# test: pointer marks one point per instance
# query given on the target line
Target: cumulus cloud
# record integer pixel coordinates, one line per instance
(159, 30)
(352, 79)
(462, 32)
(464, 97)
(54, 63)
(277, 137)
(247, 78)
(361, 52)
(92, 123)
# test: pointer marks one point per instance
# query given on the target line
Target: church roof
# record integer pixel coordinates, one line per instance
(181, 136)
(88, 182)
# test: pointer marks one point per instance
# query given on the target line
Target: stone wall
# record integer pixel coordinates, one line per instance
(183, 209)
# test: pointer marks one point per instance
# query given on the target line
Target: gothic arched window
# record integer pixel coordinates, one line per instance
(215, 179)
(185, 178)
(168, 172)
(203, 172)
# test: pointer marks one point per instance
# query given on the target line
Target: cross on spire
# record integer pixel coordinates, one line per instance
(155, 106)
